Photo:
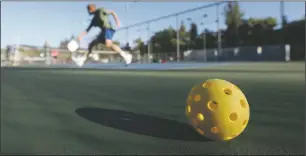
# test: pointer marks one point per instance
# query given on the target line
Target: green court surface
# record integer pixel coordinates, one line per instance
(75, 111)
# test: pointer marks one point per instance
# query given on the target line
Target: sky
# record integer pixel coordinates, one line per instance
(33, 23)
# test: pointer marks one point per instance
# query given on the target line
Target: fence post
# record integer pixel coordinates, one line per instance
(149, 43)
(177, 39)
(219, 33)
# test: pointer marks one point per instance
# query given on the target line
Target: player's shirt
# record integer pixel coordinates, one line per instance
(100, 20)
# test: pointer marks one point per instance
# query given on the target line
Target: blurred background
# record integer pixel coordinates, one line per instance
(161, 32)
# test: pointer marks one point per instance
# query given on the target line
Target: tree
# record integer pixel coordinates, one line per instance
(166, 39)
(193, 31)
(233, 19)
(139, 46)
(294, 34)
(184, 35)
(261, 30)
(127, 47)
(210, 40)
(193, 34)
(63, 44)
(182, 29)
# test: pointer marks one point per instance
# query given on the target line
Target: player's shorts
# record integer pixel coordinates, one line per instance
(107, 34)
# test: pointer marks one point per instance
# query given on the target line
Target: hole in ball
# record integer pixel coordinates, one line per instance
(207, 84)
(200, 131)
(233, 116)
(188, 109)
(214, 130)
(197, 98)
(243, 104)
(228, 91)
(244, 123)
(212, 105)
(200, 117)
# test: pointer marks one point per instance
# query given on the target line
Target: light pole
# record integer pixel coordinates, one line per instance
(204, 38)
(282, 12)
(219, 32)
(127, 29)
(189, 21)
(127, 6)
(149, 42)
(16, 51)
(47, 52)
(283, 18)
(177, 39)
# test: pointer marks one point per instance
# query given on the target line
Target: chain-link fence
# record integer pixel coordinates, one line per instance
(267, 29)
(204, 34)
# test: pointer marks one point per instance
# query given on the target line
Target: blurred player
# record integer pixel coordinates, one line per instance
(101, 20)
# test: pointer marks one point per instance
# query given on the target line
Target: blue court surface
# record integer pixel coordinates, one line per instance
(138, 66)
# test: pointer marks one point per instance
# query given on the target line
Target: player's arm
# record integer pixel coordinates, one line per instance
(111, 12)
(85, 32)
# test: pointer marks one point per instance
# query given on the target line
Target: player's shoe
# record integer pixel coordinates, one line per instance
(128, 58)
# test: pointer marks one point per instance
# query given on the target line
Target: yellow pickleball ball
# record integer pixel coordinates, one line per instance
(217, 109)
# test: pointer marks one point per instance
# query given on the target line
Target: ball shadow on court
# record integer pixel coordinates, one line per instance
(141, 124)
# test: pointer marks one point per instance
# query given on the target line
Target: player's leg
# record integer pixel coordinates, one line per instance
(109, 44)
(90, 48)
(91, 45)
(126, 56)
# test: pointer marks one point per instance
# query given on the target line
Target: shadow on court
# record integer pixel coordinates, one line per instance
(141, 124)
